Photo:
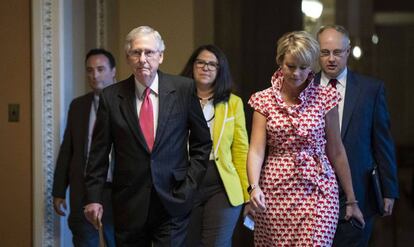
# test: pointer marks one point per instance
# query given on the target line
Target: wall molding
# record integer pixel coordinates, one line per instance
(101, 23)
(45, 41)
(393, 19)
(57, 77)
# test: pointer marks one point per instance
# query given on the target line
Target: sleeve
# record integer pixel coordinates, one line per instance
(97, 166)
(61, 175)
(383, 146)
(258, 101)
(240, 146)
(330, 98)
(199, 147)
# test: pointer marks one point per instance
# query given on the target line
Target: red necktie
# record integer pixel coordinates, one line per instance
(333, 82)
(146, 119)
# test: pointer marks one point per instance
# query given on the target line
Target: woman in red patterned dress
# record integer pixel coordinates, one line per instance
(294, 193)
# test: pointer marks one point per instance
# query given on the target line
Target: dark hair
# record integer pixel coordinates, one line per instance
(223, 82)
(100, 51)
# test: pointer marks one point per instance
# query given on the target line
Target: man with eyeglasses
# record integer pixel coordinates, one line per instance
(161, 146)
(365, 131)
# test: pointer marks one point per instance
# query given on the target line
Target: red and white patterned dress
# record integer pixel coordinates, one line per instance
(297, 179)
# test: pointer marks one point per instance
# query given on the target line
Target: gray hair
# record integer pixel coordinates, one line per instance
(144, 31)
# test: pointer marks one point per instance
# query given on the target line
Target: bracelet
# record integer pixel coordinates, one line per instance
(351, 202)
(251, 188)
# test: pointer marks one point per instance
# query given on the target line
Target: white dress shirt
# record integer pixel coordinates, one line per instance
(154, 96)
(92, 119)
(208, 111)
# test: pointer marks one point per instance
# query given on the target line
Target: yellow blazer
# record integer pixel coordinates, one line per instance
(230, 146)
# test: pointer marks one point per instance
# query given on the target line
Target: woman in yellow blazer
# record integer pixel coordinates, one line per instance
(223, 191)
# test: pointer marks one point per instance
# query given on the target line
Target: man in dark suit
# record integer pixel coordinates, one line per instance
(161, 144)
(73, 154)
(365, 130)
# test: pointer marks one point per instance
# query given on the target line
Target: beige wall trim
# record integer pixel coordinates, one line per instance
(101, 23)
(58, 77)
(45, 46)
(393, 19)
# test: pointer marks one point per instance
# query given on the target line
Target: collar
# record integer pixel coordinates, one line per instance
(341, 78)
(277, 83)
(140, 88)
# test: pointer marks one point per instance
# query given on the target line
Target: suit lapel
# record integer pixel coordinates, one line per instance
(317, 78)
(220, 116)
(128, 109)
(166, 102)
(351, 97)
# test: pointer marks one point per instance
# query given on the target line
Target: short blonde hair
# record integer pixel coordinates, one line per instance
(143, 31)
(299, 44)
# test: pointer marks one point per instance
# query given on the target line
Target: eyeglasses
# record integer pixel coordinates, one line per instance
(139, 53)
(335, 53)
(211, 66)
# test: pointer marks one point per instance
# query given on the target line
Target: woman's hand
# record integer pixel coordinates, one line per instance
(353, 211)
(257, 200)
(248, 210)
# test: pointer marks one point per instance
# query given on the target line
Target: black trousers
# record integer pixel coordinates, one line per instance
(349, 236)
(213, 218)
(83, 232)
(160, 229)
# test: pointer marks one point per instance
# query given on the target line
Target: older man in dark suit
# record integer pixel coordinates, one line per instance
(365, 130)
(73, 154)
(161, 144)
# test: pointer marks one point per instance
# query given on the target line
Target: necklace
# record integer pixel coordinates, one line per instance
(204, 101)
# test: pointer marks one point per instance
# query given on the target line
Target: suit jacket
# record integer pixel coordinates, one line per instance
(230, 146)
(71, 161)
(172, 171)
(367, 140)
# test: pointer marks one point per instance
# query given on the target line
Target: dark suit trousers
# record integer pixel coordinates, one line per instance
(84, 234)
(348, 236)
(160, 229)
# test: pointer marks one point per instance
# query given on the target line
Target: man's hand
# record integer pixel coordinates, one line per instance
(58, 204)
(388, 206)
(93, 213)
